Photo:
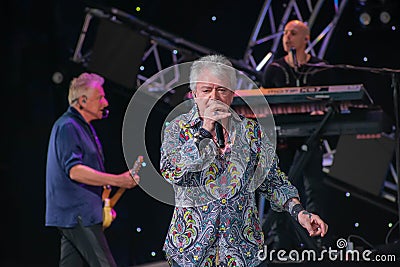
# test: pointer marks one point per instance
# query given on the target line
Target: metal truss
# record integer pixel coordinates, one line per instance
(266, 36)
(166, 49)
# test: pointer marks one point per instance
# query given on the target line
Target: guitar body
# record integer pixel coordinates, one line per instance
(109, 214)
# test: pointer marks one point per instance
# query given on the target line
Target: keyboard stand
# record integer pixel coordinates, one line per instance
(295, 174)
(307, 148)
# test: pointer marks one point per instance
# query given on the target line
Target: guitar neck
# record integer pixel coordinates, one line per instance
(114, 199)
(106, 192)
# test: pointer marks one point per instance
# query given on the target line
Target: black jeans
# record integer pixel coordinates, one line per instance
(85, 246)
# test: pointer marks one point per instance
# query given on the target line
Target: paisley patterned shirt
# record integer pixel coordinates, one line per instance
(215, 220)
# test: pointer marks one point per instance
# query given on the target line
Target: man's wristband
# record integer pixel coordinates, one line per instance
(294, 212)
(204, 133)
(201, 134)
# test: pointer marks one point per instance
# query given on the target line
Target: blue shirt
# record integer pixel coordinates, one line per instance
(217, 218)
(72, 141)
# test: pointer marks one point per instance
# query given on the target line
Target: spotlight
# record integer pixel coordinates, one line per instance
(377, 14)
(365, 19)
(57, 77)
(385, 17)
(362, 2)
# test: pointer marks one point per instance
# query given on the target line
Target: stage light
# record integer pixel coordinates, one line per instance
(362, 2)
(347, 194)
(153, 254)
(377, 14)
(138, 8)
(57, 77)
(385, 17)
(365, 19)
(264, 61)
(356, 224)
(138, 229)
(213, 18)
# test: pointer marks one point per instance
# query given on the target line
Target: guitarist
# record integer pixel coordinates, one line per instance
(75, 177)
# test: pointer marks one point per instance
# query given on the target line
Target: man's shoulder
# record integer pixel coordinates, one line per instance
(314, 59)
(277, 65)
(66, 122)
(279, 62)
(181, 120)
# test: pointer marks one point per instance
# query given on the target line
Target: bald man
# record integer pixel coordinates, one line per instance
(290, 71)
(283, 72)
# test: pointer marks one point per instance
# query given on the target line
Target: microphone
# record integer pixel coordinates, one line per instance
(105, 113)
(294, 57)
(220, 134)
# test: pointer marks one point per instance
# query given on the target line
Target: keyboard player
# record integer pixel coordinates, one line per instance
(289, 71)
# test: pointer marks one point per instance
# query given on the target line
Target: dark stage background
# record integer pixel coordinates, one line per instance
(38, 38)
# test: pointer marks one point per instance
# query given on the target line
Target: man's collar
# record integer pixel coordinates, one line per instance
(72, 110)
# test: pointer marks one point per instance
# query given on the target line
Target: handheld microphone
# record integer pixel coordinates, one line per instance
(105, 113)
(220, 134)
(294, 57)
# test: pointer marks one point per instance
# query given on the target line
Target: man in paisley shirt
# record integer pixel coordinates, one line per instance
(215, 220)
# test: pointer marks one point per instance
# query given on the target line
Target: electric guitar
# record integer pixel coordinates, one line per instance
(109, 213)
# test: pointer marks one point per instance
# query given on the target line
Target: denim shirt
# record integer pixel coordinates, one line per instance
(72, 141)
(215, 220)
